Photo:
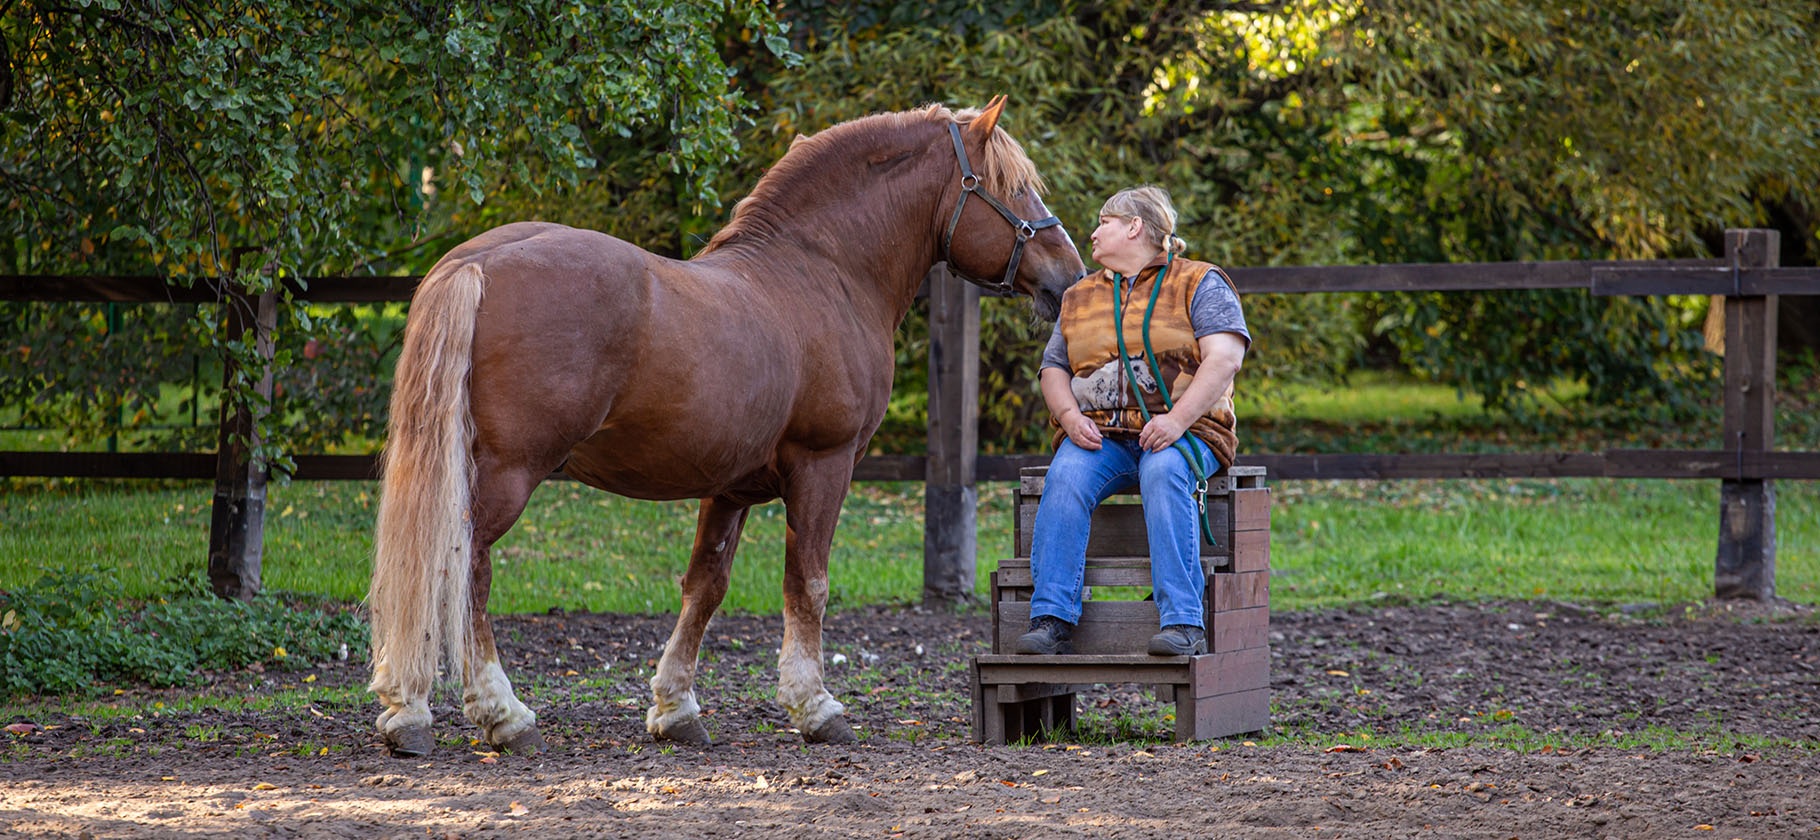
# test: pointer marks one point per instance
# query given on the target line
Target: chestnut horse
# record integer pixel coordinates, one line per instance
(757, 370)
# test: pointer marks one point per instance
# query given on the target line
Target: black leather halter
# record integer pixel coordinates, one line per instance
(970, 185)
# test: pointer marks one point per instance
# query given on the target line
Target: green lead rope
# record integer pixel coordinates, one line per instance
(1200, 467)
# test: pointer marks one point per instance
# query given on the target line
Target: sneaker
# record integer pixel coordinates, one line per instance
(1179, 640)
(1048, 635)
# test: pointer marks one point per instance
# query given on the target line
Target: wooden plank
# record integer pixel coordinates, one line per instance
(1021, 692)
(1093, 575)
(1423, 465)
(1106, 627)
(1239, 590)
(1118, 530)
(1752, 282)
(1251, 509)
(1744, 565)
(1237, 629)
(1031, 478)
(47, 288)
(1223, 716)
(1230, 672)
(1434, 277)
(1617, 463)
(1126, 572)
(1250, 551)
(995, 670)
(108, 464)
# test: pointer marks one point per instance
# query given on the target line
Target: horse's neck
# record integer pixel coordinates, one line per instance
(873, 262)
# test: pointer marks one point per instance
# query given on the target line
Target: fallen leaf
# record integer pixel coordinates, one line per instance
(1343, 748)
(265, 786)
(1747, 758)
(489, 760)
(1039, 772)
(1050, 800)
(517, 810)
(1337, 673)
(1703, 827)
(21, 728)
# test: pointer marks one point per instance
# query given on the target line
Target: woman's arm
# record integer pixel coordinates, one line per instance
(1222, 353)
(1060, 398)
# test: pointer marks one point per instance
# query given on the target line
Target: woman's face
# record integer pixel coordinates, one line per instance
(1116, 237)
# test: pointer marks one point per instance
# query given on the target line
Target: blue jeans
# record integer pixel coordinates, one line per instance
(1078, 481)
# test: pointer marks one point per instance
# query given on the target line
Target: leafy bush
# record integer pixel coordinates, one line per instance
(68, 632)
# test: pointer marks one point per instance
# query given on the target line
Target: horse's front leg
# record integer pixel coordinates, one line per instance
(812, 498)
(675, 715)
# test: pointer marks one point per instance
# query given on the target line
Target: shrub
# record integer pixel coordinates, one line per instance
(72, 631)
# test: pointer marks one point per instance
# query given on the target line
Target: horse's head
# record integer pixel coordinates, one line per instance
(1007, 241)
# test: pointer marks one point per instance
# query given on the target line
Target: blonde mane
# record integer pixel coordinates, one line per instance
(1004, 169)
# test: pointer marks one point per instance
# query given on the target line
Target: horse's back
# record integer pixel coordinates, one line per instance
(653, 377)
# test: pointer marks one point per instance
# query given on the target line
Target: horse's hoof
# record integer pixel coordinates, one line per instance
(834, 730)
(528, 741)
(410, 742)
(688, 731)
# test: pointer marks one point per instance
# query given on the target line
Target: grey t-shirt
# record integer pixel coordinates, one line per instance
(1213, 309)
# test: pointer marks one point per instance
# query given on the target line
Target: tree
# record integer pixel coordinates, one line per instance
(252, 144)
(1367, 131)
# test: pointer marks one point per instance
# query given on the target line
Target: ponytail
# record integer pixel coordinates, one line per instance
(1151, 204)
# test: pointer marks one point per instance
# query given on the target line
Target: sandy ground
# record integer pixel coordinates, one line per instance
(1576, 685)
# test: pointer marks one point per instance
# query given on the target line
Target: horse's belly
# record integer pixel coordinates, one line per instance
(620, 463)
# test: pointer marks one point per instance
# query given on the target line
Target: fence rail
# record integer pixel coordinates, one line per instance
(1610, 463)
(1748, 278)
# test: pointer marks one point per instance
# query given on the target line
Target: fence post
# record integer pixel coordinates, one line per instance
(1746, 563)
(950, 499)
(237, 523)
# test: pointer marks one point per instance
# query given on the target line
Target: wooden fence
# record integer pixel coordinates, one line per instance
(1748, 278)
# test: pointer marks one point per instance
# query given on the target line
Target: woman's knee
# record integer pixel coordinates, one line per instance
(1167, 468)
(1073, 479)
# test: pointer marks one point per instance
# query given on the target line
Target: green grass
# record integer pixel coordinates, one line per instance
(575, 547)
(1586, 540)
(1332, 543)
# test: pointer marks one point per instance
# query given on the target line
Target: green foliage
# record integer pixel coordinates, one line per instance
(1405, 131)
(252, 143)
(67, 631)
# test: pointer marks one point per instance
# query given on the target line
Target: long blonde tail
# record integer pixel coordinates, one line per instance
(419, 596)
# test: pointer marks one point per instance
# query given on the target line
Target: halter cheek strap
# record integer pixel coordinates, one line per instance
(1024, 228)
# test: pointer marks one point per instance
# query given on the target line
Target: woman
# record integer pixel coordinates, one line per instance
(1182, 326)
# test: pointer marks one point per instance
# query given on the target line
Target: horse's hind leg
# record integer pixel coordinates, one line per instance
(487, 698)
(674, 715)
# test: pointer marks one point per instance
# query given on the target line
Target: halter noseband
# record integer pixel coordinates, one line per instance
(1025, 229)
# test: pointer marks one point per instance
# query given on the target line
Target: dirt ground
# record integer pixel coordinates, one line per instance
(1740, 685)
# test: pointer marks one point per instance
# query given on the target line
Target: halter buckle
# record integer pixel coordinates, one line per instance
(970, 182)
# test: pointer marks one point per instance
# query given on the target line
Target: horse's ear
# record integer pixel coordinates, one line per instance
(797, 139)
(983, 124)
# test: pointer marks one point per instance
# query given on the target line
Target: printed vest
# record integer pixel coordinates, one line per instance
(1106, 395)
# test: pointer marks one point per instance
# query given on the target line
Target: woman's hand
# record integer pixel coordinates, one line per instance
(1081, 430)
(1162, 431)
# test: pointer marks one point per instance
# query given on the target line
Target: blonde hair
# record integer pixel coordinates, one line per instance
(1151, 204)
